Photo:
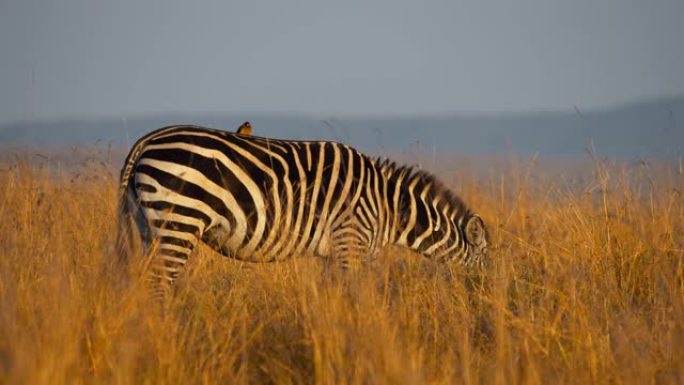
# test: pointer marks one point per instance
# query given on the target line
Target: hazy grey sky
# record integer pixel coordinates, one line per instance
(91, 58)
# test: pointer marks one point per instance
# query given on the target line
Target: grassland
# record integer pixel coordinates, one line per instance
(585, 285)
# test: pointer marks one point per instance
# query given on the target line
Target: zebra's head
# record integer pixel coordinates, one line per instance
(475, 239)
(432, 219)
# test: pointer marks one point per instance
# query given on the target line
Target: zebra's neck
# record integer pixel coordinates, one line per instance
(427, 217)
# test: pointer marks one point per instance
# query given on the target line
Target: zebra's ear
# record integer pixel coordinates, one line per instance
(475, 230)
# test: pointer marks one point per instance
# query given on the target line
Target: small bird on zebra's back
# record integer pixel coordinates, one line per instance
(261, 200)
(245, 129)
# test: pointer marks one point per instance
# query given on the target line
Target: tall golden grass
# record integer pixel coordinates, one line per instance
(585, 285)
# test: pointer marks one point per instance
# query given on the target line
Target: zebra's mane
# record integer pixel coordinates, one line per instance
(392, 170)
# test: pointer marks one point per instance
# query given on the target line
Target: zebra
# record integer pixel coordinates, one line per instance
(258, 199)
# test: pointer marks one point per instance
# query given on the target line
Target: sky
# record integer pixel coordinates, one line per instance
(96, 58)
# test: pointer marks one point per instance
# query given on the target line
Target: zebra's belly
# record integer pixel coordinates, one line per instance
(218, 238)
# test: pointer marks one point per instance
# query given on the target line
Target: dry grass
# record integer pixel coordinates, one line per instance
(585, 286)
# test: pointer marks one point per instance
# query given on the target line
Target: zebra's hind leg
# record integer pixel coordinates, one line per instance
(172, 243)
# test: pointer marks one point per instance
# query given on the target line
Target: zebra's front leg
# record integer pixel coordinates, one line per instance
(352, 247)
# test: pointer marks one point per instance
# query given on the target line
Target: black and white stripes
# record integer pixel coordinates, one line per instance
(260, 200)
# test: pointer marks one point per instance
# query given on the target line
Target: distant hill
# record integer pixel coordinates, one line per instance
(651, 128)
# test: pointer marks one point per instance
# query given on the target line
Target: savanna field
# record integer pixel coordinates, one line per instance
(584, 284)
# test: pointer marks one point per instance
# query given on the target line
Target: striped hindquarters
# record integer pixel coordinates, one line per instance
(249, 197)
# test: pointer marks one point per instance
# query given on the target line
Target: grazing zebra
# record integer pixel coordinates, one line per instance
(261, 200)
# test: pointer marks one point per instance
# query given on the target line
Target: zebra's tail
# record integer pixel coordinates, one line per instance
(125, 228)
(128, 210)
(116, 269)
